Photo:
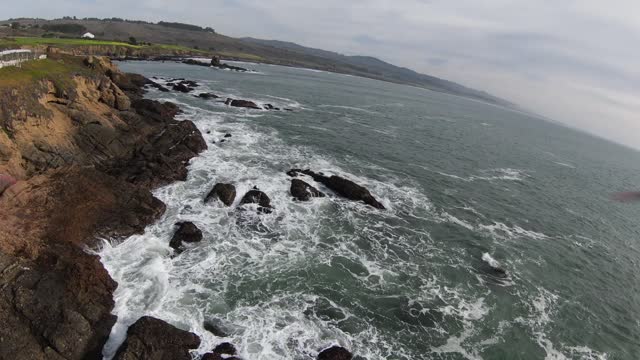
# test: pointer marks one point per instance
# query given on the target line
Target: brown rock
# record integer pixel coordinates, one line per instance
(242, 103)
(302, 191)
(335, 353)
(225, 348)
(342, 186)
(225, 192)
(256, 196)
(154, 339)
(187, 232)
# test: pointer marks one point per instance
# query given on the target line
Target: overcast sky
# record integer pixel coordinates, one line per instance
(575, 61)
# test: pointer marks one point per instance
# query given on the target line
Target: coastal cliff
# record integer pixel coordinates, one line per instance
(86, 150)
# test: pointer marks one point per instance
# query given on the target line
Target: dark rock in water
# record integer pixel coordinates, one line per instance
(208, 131)
(335, 353)
(242, 103)
(227, 135)
(256, 196)
(187, 232)
(216, 327)
(215, 62)
(158, 86)
(223, 140)
(342, 186)
(225, 192)
(225, 348)
(304, 192)
(153, 339)
(211, 356)
(189, 83)
(207, 96)
(286, 109)
(182, 88)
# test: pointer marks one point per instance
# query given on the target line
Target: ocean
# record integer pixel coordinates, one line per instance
(469, 188)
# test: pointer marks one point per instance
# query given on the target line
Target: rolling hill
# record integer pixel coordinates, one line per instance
(207, 41)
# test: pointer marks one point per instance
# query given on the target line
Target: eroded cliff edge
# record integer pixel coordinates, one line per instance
(86, 150)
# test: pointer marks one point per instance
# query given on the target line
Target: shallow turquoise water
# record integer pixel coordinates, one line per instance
(461, 180)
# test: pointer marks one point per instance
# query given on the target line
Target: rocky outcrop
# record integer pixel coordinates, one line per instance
(242, 103)
(216, 63)
(153, 339)
(187, 232)
(217, 328)
(270, 107)
(225, 348)
(70, 141)
(335, 353)
(302, 191)
(342, 187)
(256, 196)
(225, 192)
(207, 96)
(6, 182)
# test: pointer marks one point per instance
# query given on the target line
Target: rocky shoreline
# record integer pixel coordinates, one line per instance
(81, 162)
(86, 155)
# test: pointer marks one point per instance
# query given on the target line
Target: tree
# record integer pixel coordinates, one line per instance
(133, 41)
(15, 25)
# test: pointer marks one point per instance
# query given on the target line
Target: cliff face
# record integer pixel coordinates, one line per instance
(86, 150)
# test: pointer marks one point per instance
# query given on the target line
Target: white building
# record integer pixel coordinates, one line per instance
(88, 36)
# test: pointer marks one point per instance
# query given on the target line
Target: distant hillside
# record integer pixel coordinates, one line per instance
(379, 69)
(247, 49)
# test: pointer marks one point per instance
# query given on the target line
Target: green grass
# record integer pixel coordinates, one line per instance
(68, 42)
(32, 41)
(59, 71)
(238, 55)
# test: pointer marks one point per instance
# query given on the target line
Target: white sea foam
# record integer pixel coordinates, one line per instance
(243, 246)
(564, 164)
(490, 260)
(491, 175)
(349, 108)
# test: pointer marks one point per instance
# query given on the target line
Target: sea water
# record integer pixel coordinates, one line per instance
(469, 187)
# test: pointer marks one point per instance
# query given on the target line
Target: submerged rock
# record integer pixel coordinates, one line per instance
(153, 339)
(187, 232)
(256, 196)
(207, 96)
(225, 192)
(154, 84)
(270, 107)
(225, 348)
(217, 328)
(227, 135)
(342, 186)
(302, 191)
(242, 103)
(211, 356)
(182, 88)
(335, 353)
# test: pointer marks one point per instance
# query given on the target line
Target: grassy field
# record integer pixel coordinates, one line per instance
(32, 71)
(72, 42)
